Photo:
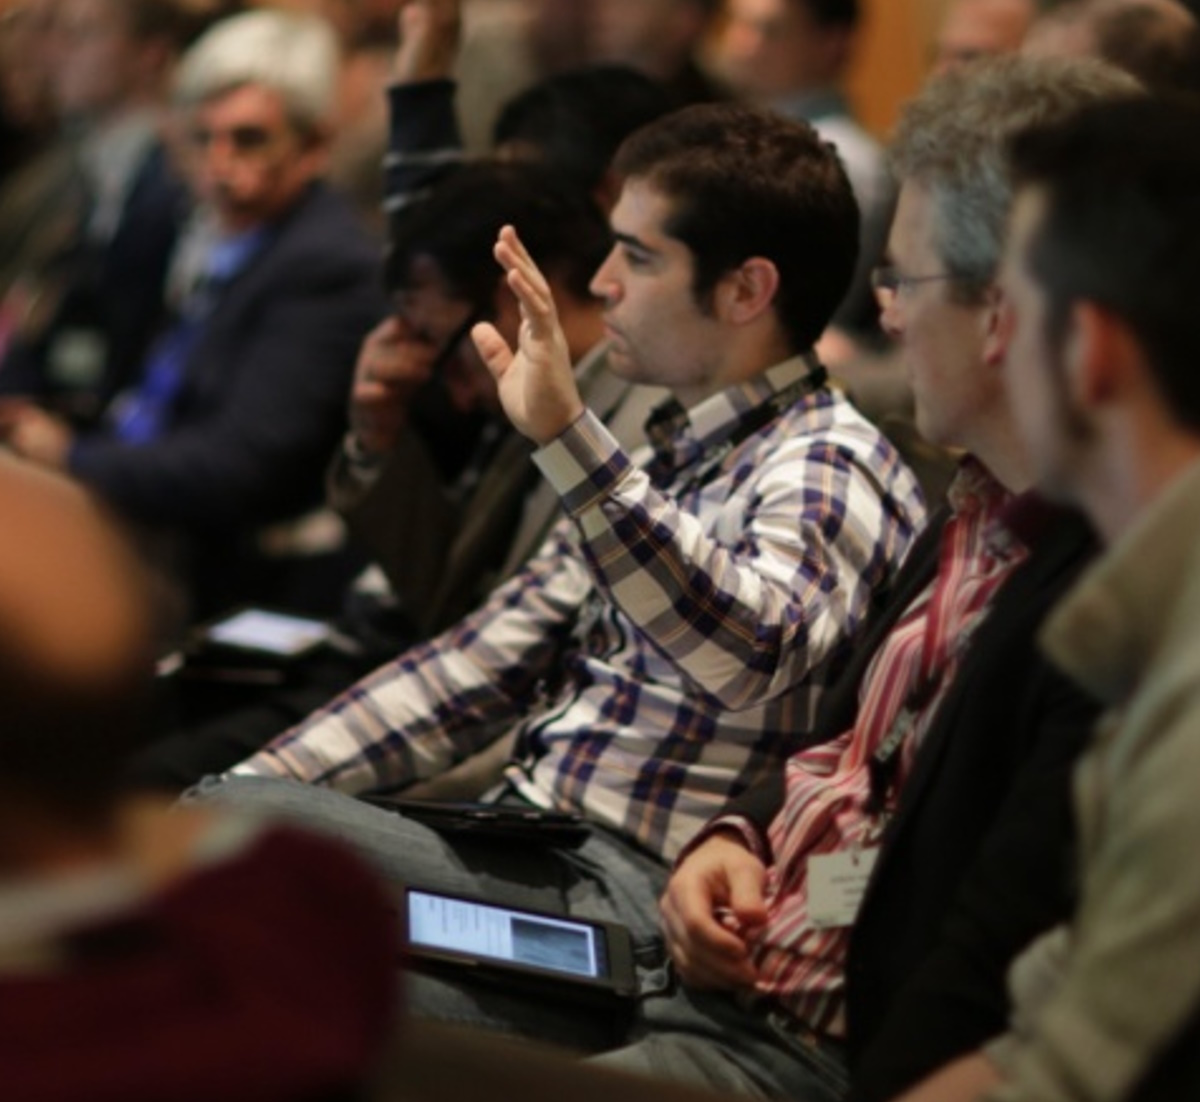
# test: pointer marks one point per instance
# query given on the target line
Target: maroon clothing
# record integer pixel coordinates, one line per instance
(267, 973)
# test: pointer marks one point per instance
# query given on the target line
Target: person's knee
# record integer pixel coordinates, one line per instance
(253, 793)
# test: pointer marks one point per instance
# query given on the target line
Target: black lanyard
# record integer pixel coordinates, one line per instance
(706, 468)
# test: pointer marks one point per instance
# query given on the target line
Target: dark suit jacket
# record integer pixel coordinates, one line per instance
(114, 294)
(975, 861)
(265, 388)
(263, 399)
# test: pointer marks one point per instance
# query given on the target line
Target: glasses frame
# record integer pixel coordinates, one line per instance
(886, 279)
(461, 332)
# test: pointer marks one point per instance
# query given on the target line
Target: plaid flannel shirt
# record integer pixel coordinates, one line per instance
(666, 647)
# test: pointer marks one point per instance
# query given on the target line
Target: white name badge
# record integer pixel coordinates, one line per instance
(836, 885)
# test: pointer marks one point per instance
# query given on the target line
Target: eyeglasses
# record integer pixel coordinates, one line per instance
(456, 338)
(244, 139)
(888, 280)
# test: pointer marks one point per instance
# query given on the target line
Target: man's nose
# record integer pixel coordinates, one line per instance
(891, 319)
(218, 155)
(743, 41)
(604, 284)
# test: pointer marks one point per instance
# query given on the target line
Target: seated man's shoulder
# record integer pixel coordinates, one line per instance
(325, 235)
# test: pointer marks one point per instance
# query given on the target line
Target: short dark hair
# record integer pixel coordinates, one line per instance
(456, 227)
(576, 120)
(746, 183)
(832, 13)
(1121, 228)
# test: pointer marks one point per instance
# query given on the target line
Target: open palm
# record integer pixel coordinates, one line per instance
(536, 384)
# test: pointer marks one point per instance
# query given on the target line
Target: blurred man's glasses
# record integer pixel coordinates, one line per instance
(456, 338)
(244, 139)
(888, 281)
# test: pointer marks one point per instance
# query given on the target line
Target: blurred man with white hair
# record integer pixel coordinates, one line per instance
(241, 400)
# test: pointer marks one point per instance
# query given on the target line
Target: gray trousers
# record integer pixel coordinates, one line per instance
(705, 1038)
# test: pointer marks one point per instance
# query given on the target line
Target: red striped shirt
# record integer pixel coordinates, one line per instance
(827, 787)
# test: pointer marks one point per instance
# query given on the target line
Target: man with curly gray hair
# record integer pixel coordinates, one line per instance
(949, 157)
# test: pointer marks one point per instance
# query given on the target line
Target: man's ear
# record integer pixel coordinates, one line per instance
(315, 150)
(1100, 354)
(748, 291)
(997, 326)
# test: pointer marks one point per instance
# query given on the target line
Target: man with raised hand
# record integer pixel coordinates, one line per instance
(667, 646)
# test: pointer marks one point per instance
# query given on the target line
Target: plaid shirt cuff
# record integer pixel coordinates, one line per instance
(583, 464)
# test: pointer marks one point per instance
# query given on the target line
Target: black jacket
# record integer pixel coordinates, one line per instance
(264, 392)
(262, 403)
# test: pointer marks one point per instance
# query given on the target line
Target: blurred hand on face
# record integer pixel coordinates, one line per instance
(392, 366)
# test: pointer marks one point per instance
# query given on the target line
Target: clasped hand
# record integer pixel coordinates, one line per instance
(712, 910)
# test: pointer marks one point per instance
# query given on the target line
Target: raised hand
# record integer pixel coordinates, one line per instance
(392, 365)
(711, 910)
(536, 384)
(429, 38)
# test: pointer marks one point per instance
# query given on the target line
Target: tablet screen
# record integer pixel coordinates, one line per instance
(270, 632)
(497, 933)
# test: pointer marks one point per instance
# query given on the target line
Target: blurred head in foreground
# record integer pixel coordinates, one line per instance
(75, 658)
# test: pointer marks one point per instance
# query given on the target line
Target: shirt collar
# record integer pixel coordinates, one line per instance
(812, 105)
(975, 492)
(1109, 628)
(228, 255)
(688, 434)
(206, 258)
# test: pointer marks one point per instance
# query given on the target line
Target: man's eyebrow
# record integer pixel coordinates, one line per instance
(632, 242)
